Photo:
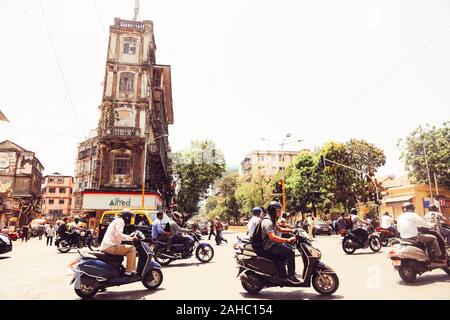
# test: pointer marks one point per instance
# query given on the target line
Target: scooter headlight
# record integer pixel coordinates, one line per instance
(315, 252)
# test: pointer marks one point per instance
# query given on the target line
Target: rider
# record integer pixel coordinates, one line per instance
(361, 234)
(409, 221)
(256, 218)
(158, 233)
(73, 230)
(177, 233)
(386, 223)
(274, 245)
(436, 217)
(112, 241)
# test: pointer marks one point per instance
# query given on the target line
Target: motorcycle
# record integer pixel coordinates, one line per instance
(85, 238)
(350, 242)
(204, 252)
(385, 235)
(411, 258)
(95, 270)
(257, 272)
(14, 235)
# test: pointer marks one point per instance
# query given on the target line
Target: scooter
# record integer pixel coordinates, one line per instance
(203, 251)
(350, 242)
(95, 270)
(257, 272)
(411, 258)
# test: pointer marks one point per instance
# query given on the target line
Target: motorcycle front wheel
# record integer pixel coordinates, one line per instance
(375, 244)
(93, 244)
(348, 246)
(63, 246)
(204, 253)
(325, 283)
(153, 279)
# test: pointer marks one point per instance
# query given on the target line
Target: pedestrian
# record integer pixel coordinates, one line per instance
(219, 227)
(41, 231)
(25, 232)
(310, 224)
(50, 233)
(211, 231)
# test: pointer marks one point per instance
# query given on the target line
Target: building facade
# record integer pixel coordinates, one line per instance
(20, 184)
(266, 163)
(136, 111)
(57, 196)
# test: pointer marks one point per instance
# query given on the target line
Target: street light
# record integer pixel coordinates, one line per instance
(145, 166)
(282, 144)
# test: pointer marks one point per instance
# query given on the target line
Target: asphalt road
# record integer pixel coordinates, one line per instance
(34, 271)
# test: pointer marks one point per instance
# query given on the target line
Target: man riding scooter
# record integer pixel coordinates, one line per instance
(274, 246)
(357, 228)
(112, 241)
(437, 218)
(386, 223)
(409, 221)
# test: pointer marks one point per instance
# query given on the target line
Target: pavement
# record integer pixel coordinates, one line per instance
(33, 271)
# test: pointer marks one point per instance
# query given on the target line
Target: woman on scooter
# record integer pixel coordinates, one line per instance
(274, 245)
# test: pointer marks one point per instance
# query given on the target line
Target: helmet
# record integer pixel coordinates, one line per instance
(353, 211)
(273, 207)
(408, 206)
(126, 215)
(256, 211)
(433, 208)
(76, 219)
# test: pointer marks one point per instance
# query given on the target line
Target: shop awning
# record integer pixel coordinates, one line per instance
(399, 198)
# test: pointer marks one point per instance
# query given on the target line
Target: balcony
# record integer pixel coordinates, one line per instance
(123, 131)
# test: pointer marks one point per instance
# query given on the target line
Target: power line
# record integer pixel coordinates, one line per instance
(390, 73)
(60, 69)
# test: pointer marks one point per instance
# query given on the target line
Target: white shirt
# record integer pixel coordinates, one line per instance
(251, 226)
(408, 223)
(357, 222)
(386, 221)
(114, 234)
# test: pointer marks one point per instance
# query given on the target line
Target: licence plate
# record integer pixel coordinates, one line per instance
(396, 263)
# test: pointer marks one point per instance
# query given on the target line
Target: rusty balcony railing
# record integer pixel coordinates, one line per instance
(122, 131)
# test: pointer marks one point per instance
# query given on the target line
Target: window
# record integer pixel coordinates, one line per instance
(129, 46)
(62, 190)
(50, 180)
(280, 157)
(60, 180)
(274, 157)
(51, 190)
(51, 201)
(124, 118)
(260, 157)
(126, 81)
(61, 201)
(122, 164)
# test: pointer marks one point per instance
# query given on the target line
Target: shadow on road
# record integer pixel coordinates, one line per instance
(364, 253)
(4, 258)
(427, 279)
(293, 295)
(188, 264)
(129, 295)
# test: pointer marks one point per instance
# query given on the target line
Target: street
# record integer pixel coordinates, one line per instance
(34, 271)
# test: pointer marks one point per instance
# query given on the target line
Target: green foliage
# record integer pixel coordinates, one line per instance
(437, 146)
(195, 170)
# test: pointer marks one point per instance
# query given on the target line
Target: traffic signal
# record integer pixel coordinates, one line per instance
(322, 163)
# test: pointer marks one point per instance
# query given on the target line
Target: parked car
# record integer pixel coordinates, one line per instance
(5, 244)
(321, 227)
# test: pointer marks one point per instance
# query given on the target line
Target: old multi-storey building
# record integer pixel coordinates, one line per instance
(136, 111)
(57, 196)
(20, 184)
(266, 163)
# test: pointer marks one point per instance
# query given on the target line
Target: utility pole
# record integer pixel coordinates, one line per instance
(437, 191)
(428, 171)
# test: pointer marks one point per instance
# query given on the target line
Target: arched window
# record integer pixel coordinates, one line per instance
(126, 81)
(129, 46)
(122, 164)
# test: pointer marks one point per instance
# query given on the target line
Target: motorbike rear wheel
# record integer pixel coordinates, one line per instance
(348, 246)
(204, 253)
(93, 244)
(375, 244)
(87, 289)
(407, 273)
(325, 283)
(64, 246)
(162, 260)
(155, 282)
(251, 285)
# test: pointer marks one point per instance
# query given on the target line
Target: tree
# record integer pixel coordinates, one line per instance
(194, 172)
(227, 191)
(437, 147)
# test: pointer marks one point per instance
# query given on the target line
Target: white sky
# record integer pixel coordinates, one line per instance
(241, 70)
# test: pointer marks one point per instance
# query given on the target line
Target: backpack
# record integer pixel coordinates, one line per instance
(257, 241)
(167, 227)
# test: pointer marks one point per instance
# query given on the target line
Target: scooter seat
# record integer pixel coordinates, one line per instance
(244, 238)
(107, 258)
(408, 242)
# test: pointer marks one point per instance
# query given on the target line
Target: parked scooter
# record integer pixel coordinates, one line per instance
(257, 272)
(203, 251)
(351, 243)
(411, 258)
(95, 270)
